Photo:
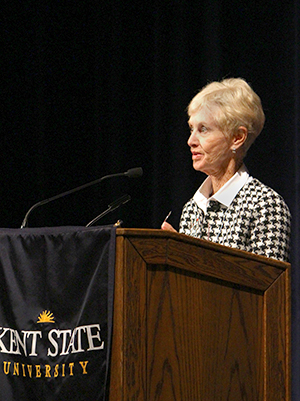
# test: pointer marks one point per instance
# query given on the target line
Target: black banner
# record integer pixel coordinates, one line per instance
(56, 301)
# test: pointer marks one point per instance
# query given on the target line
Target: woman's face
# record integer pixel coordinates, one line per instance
(211, 149)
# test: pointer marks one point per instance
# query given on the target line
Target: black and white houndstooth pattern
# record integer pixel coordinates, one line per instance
(257, 221)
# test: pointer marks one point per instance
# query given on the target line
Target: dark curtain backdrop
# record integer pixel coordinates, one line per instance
(99, 87)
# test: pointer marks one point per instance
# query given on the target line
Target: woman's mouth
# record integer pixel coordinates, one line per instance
(196, 155)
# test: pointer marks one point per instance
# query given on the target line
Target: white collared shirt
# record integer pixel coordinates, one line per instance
(226, 193)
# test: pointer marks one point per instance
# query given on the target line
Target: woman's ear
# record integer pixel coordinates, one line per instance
(239, 137)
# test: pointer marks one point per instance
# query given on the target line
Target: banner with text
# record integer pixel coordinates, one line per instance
(56, 301)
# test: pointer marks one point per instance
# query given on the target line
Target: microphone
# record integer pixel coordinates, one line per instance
(134, 172)
(131, 173)
(114, 205)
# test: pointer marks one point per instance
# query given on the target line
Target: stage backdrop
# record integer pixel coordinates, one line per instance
(56, 299)
(97, 87)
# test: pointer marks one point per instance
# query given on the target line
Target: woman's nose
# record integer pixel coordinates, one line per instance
(192, 140)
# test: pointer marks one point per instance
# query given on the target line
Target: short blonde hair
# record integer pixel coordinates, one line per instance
(234, 104)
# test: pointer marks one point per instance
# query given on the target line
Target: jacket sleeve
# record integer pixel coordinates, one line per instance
(191, 219)
(271, 228)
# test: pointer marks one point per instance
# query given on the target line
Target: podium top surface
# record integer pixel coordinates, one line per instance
(193, 255)
(182, 238)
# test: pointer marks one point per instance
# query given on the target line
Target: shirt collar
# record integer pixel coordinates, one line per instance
(226, 193)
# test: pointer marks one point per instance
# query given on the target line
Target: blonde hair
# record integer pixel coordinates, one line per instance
(234, 104)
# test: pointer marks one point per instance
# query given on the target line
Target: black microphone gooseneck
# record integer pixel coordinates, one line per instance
(131, 173)
(112, 206)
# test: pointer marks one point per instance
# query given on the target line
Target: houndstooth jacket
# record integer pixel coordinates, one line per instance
(257, 221)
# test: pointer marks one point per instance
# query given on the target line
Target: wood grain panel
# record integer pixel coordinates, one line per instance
(254, 274)
(210, 339)
(195, 321)
(277, 339)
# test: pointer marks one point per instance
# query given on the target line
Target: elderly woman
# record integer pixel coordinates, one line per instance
(231, 207)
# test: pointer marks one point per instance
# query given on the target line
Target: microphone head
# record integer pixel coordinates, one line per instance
(134, 172)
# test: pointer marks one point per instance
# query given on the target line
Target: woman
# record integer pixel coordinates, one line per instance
(231, 207)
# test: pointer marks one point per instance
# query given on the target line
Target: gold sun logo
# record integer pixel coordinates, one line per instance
(46, 317)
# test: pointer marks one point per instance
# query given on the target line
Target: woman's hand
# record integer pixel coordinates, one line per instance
(167, 227)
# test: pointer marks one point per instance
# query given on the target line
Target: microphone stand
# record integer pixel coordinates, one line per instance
(114, 205)
(131, 173)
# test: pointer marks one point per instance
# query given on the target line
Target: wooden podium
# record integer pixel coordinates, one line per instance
(197, 321)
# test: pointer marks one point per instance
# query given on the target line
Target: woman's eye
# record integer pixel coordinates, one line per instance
(200, 129)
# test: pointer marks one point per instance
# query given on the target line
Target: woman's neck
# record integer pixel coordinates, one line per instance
(220, 179)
